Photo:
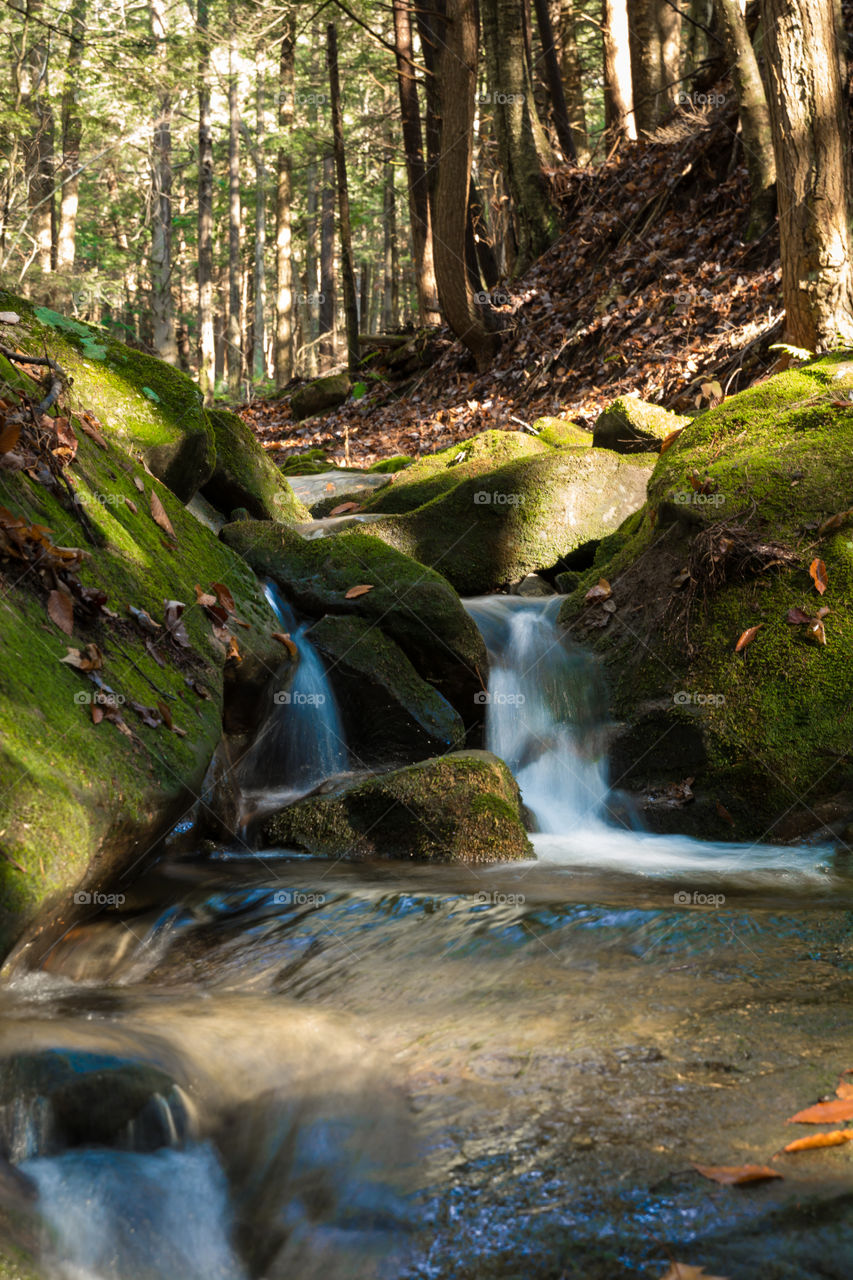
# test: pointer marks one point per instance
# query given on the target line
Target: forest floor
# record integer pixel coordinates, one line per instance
(649, 289)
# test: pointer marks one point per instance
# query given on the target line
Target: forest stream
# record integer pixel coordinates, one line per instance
(363, 1070)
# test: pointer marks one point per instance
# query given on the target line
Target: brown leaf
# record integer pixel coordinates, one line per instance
(813, 1140)
(344, 508)
(602, 591)
(140, 483)
(817, 632)
(224, 596)
(147, 715)
(724, 813)
(684, 1271)
(817, 571)
(91, 660)
(233, 654)
(131, 506)
(798, 617)
(736, 1175)
(9, 436)
(60, 608)
(97, 713)
(152, 653)
(204, 598)
(173, 612)
(145, 621)
(283, 638)
(66, 438)
(669, 441)
(330, 488)
(198, 688)
(834, 523)
(360, 590)
(88, 426)
(158, 515)
(165, 713)
(748, 637)
(825, 1112)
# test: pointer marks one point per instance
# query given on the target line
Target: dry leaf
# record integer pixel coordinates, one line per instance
(147, 715)
(815, 1140)
(173, 612)
(9, 436)
(684, 1271)
(97, 713)
(798, 617)
(233, 654)
(601, 591)
(87, 425)
(724, 813)
(817, 570)
(152, 653)
(165, 713)
(844, 1090)
(670, 440)
(825, 1112)
(140, 483)
(748, 637)
(283, 638)
(158, 515)
(132, 506)
(834, 523)
(360, 590)
(736, 1175)
(224, 596)
(344, 507)
(817, 631)
(60, 609)
(145, 621)
(91, 660)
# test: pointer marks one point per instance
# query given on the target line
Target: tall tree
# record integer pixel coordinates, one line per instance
(554, 79)
(206, 349)
(754, 117)
(38, 147)
(457, 79)
(327, 262)
(389, 224)
(72, 133)
(162, 305)
(811, 142)
(234, 352)
(347, 265)
(655, 43)
(283, 203)
(618, 89)
(260, 279)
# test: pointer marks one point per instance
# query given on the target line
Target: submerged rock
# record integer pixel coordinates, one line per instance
(389, 712)
(463, 807)
(632, 425)
(245, 477)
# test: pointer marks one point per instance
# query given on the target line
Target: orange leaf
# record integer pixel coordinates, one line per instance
(61, 611)
(601, 591)
(97, 713)
(735, 1175)
(131, 506)
(684, 1271)
(814, 1140)
(93, 433)
(748, 637)
(224, 596)
(344, 507)
(360, 590)
(817, 570)
(9, 436)
(233, 654)
(825, 1112)
(670, 440)
(844, 1090)
(833, 523)
(283, 638)
(158, 515)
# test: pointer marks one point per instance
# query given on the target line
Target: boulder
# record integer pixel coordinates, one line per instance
(414, 606)
(632, 425)
(389, 712)
(739, 508)
(320, 395)
(245, 477)
(463, 807)
(561, 433)
(493, 529)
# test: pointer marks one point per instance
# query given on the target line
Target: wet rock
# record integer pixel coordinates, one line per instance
(533, 585)
(245, 477)
(462, 807)
(632, 425)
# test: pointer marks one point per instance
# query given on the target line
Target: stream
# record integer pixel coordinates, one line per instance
(270, 1065)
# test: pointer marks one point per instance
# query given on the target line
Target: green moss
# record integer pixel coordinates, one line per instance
(245, 477)
(630, 424)
(560, 433)
(399, 462)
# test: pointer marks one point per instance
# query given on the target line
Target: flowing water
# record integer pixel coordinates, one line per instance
(268, 1065)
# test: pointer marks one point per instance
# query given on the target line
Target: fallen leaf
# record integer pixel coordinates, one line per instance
(748, 637)
(67, 447)
(844, 1090)
(145, 621)
(91, 660)
(283, 638)
(204, 598)
(817, 571)
(683, 1271)
(97, 713)
(736, 1175)
(814, 1140)
(669, 441)
(132, 506)
(224, 596)
(330, 488)
(834, 522)
(724, 813)
(825, 1112)
(152, 653)
(147, 715)
(9, 436)
(344, 507)
(233, 654)
(140, 483)
(817, 631)
(602, 591)
(198, 688)
(360, 590)
(173, 612)
(158, 515)
(60, 608)
(165, 713)
(798, 617)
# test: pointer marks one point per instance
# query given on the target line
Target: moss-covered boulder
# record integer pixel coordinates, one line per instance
(80, 798)
(320, 395)
(463, 807)
(390, 713)
(740, 507)
(632, 425)
(412, 605)
(142, 403)
(561, 433)
(493, 529)
(245, 477)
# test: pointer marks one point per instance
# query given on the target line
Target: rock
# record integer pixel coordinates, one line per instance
(316, 397)
(763, 731)
(527, 515)
(414, 606)
(385, 466)
(632, 425)
(389, 712)
(567, 582)
(323, 492)
(560, 433)
(245, 477)
(533, 585)
(462, 807)
(143, 404)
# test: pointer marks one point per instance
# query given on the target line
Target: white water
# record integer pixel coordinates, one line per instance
(545, 717)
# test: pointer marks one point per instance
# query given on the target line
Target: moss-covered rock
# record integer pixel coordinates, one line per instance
(318, 396)
(463, 807)
(632, 425)
(494, 528)
(76, 796)
(412, 605)
(142, 403)
(385, 466)
(561, 433)
(735, 517)
(245, 477)
(390, 713)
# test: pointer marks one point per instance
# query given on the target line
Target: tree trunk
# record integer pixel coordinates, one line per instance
(457, 80)
(565, 134)
(811, 141)
(162, 306)
(258, 335)
(327, 263)
(347, 266)
(283, 206)
(754, 117)
(618, 88)
(646, 64)
(419, 211)
(72, 132)
(573, 78)
(206, 352)
(39, 143)
(235, 221)
(389, 227)
(482, 237)
(669, 25)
